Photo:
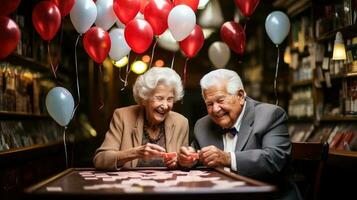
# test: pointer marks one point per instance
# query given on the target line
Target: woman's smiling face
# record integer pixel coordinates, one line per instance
(159, 104)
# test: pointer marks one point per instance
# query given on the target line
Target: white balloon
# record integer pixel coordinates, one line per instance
(211, 16)
(83, 15)
(181, 21)
(219, 54)
(167, 42)
(277, 26)
(119, 47)
(105, 14)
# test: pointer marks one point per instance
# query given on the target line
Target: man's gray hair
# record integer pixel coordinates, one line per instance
(145, 84)
(219, 76)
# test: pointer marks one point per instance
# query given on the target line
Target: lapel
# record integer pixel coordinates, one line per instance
(138, 132)
(246, 126)
(169, 133)
(216, 136)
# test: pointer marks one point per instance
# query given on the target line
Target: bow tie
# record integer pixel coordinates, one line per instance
(233, 130)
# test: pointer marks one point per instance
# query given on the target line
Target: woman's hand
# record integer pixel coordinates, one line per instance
(149, 150)
(170, 160)
(187, 157)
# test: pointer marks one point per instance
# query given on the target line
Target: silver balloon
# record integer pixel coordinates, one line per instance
(277, 26)
(60, 105)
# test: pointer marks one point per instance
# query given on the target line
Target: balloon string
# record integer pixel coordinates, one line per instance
(173, 60)
(60, 46)
(77, 79)
(153, 51)
(185, 73)
(126, 73)
(49, 54)
(101, 102)
(65, 146)
(276, 76)
(120, 78)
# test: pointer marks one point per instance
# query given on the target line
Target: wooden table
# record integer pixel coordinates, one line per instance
(149, 183)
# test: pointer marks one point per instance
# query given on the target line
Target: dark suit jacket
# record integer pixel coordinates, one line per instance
(263, 145)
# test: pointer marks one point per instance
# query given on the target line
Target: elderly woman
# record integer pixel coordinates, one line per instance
(141, 135)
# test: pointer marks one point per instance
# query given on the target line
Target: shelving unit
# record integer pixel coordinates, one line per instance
(324, 95)
(31, 146)
(27, 62)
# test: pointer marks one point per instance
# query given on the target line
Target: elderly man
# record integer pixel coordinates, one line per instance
(243, 135)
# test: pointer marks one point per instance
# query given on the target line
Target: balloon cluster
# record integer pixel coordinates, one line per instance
(10, 32)
(233, 36)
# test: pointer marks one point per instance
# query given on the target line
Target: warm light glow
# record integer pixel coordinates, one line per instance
(146, 58)
(121, 63)
(287, 55)
(159, 63)
(339, 50)
(138, 67)
(107, 63)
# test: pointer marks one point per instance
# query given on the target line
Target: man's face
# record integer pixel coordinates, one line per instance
(223, 107)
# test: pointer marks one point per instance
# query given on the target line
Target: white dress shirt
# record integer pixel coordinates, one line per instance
(230, 141)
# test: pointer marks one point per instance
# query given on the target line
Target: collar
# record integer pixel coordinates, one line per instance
(238, 123)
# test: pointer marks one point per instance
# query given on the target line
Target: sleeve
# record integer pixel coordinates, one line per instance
(106, 155)
(186, 133)
(274, 153)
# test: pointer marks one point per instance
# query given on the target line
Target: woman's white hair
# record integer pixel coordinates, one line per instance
(220, 76)
(145, 84)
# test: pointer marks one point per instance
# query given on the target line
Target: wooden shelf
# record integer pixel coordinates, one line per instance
(339, 118)
(20, 115)
(301, 119)
(11, 156)
(343, 153)
(26, 62)
(347, 32)
(342, 159)
(301, 83)
(293, 7)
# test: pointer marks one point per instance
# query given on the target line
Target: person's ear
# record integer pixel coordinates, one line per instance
(241, 96)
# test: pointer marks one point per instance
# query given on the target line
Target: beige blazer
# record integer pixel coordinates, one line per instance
(126, 131)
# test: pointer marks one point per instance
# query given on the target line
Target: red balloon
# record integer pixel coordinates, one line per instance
(192, 3)
(97, 43)
(126, 10)
(9, 36)
(65, 6)
(233, 35)
(143, 4)
(8, 6)
(46, 18)
(193, 43)
(247, 7)
(138, 34)
(156, 13)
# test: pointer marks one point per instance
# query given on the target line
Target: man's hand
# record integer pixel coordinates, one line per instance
(170, 160)
(211, 156)
(187, 157)
(149, 150)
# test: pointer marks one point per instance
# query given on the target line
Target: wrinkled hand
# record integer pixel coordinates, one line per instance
(186, 157)
(170, 160)
(149, 150)
(211, 156)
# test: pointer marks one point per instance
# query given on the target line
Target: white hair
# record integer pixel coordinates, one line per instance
(146, 83)
(221, 76)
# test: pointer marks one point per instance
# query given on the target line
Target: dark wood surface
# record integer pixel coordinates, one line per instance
(72, 184)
